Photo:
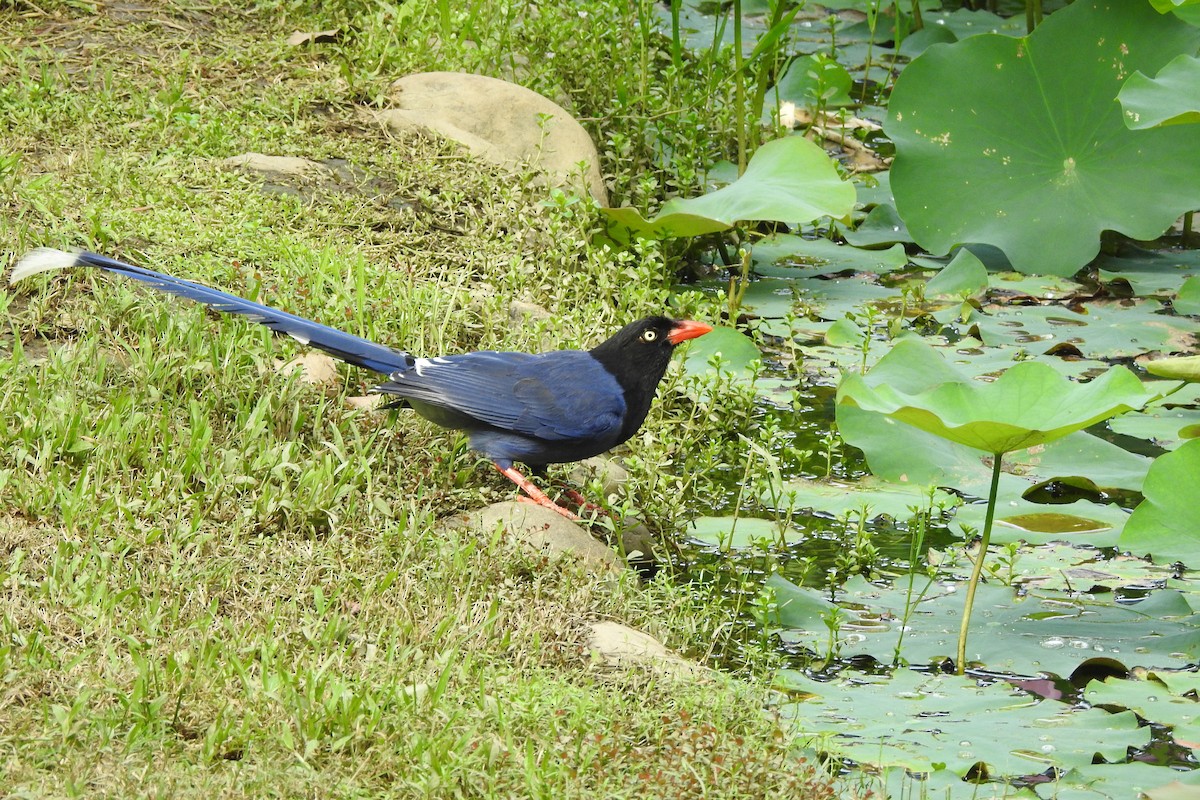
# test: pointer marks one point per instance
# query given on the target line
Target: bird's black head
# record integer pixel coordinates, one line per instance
(637, 356)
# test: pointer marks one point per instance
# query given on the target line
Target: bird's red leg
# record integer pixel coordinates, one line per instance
(582, 502)
(536, 495)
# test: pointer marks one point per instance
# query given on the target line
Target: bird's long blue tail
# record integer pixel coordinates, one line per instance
(339, 344)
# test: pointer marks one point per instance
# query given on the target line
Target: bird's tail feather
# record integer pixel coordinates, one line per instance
(339, 344)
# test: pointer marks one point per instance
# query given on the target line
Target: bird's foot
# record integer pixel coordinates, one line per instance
(535, 495)
(582, 503)
(550, 504)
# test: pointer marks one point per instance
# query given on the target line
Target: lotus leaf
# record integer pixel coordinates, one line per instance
(1166, 525)
(1038, 161)
(1029, 404)
(1170, 98)
(787, 180)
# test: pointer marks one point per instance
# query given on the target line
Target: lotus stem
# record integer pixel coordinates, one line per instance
(961, 663)
(739, 86)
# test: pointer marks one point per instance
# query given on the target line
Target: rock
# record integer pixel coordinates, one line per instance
(498, 121)
(280, 166)
(610, 474)
(620, 647)
(543, 530)
(521, 312)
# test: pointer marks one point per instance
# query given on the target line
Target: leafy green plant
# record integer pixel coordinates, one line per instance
(1029, 404)
(1020, 142)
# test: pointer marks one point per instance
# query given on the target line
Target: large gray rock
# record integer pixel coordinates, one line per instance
(498, 121)
(542, 529)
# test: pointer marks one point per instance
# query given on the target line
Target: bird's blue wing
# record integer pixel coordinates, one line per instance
(339, 344)
(558, 396)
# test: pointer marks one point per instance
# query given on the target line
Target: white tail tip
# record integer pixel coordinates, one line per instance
(42, 259)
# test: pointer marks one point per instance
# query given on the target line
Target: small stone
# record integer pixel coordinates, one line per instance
(620, 647)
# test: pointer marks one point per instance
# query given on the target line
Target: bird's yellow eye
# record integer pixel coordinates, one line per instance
(649, 336)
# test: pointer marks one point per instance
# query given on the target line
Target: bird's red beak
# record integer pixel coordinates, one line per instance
(687, 329)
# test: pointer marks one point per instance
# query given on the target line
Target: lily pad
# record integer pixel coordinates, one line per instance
(881, 226)
(1065, 568)
(1152, 700)
(928, 722)
(1040, 631)
(869, 498)
(788, 256)
(1167, 428)
(1038, 161)
(1121, 782)
(1188, 299)
(734, 532)
(1166, 525)
(1029, 404)
(1149, 272)
(1018, 520)
(1098, 330)
(1172, 97)
(964, 276)
(736, 351)
(787, 180)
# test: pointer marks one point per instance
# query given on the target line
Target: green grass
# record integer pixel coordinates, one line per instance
(219, 580)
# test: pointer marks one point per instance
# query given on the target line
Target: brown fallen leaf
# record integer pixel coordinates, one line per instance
(314, 367)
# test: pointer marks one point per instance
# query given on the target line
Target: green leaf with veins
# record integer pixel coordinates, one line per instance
(1029, 404)
(1038, 161)
(926, 722)
(1167, 522)
(787, 180)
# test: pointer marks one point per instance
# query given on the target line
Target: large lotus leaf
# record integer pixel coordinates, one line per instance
(1036, 158)
(787, 180)
(927, 722)
(1029, 404)
(1170, 98)
(1042, 631)
(1167, 523)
